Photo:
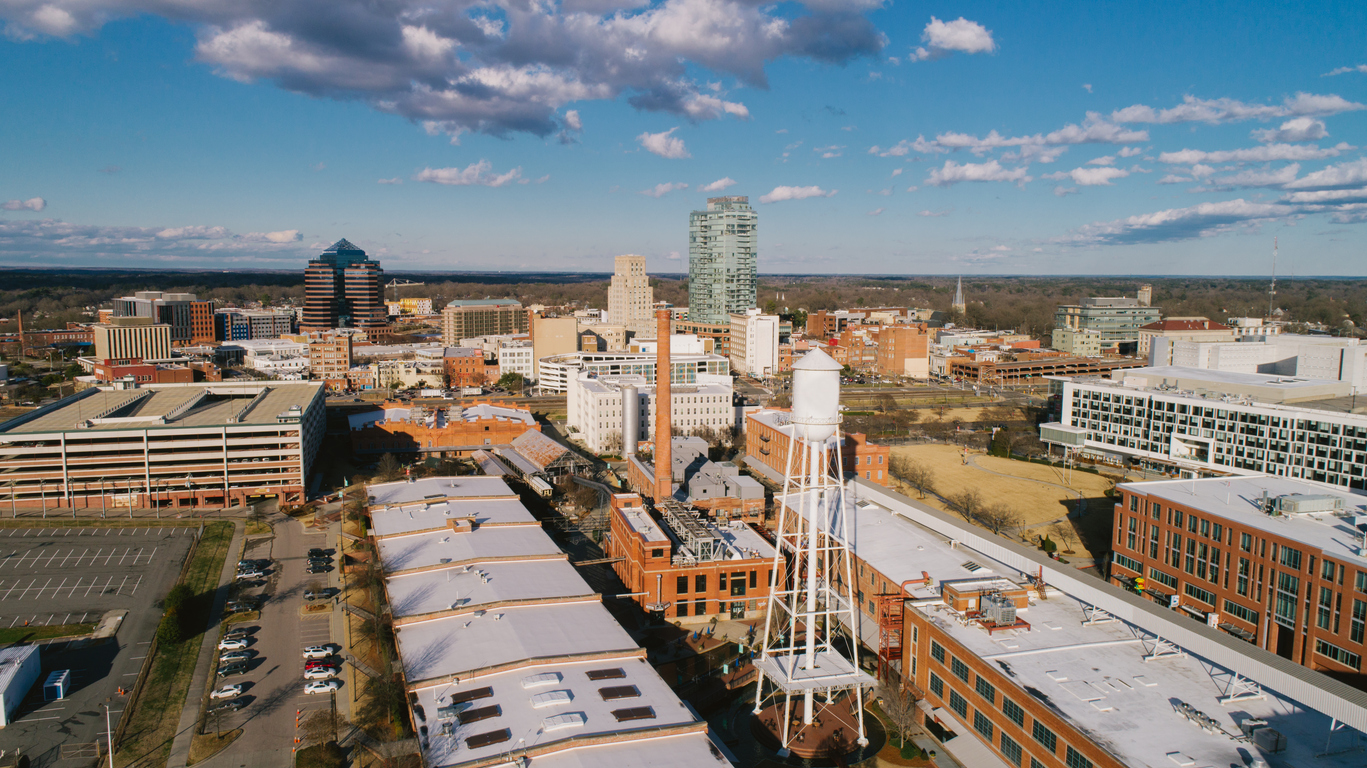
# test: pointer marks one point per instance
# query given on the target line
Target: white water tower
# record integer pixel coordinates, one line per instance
(811, 606)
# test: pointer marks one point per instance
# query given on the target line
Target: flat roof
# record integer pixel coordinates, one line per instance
(437, 515)
(160, 407)
(1237, 499)
(466, 586)
(12, 658)
(460, 644)
(428, 488)
(743, 541)
(1187, 373)
(641, 522)
(546, 703)
(424, 550)
(1095, 676)
(689, 750)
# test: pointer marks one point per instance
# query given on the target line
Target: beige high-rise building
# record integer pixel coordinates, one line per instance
(124, 338)
(631, 300)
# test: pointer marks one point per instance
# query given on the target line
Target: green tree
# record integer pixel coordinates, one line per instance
(511, 381)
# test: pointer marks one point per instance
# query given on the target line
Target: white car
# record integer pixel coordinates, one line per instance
(232, 645)
(226, 692)
(317, 651)
(320, 673)
(322, 686)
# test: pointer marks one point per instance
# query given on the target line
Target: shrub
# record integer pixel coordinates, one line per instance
(328, 755)
(1048, 545)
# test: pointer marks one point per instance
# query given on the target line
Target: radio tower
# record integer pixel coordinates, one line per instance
(811, 599)
(1272, 292)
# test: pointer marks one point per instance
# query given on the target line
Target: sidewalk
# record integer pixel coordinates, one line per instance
(180, 747)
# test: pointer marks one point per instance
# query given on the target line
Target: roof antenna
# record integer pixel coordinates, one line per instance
(1272, 292)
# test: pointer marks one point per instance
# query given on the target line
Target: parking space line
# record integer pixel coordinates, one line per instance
(50, 559)
(11, 589)
(92, 586)
(59, 587)
(154, 554)
(135, 586)
(74, 586)
(119, 591)
(40, 719)
(39, 596)
(111, 556)
(96, 556)
(16, 621)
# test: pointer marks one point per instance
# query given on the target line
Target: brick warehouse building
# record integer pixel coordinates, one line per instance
(450, 432)
(685, 568)
(767, 438)
(1072, 674)
(1270, 560)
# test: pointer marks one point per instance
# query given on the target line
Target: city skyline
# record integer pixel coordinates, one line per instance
(873, 138)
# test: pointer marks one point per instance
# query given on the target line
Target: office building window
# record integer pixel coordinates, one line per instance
(937, 686)
(986, 690)
(959, 669)
(958, 703)
(1074, 759)
(1013, 712)
(1045, 737)
(982, 725)
(937, 651)
(1011, 750)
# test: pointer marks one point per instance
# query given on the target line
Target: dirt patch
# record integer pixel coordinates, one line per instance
(1041, 494)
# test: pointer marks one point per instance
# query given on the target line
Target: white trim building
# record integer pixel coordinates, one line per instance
(596, 407)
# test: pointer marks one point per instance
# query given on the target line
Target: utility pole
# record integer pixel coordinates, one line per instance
(109, 734)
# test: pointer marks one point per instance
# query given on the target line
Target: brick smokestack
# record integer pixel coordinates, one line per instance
(664, 402)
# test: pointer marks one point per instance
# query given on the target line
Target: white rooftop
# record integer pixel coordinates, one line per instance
(423, 550)
(641, 522)
(743, 542)
(1237, 498)
(468, 586)
(429, 488)
(440, 416)
(545, 703)
(414, 518)
(692, 750)
(1185, 373)
(464, 643)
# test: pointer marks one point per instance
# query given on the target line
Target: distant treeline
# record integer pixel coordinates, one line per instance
(51, 298)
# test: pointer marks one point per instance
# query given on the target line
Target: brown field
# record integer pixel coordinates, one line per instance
(1037, 492)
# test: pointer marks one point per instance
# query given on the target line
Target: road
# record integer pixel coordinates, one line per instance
(275, 681)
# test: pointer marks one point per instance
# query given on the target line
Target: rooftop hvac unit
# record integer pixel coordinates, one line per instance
(1269, 740)
(998, 609)
(1302, 503)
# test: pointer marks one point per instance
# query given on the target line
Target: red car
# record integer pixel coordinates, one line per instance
(320, 664)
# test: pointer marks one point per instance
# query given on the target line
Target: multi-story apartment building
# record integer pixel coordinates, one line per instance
(684, 568)
(330, 358)
(515, 356)
(465, 367)
(342, 288)
(129, 337)
(1333, 358)
(718, 334)
(465, 318)
(857, 347)
(1271, 560)
(1198, 421)
(722, 251)
(1117, 318)
(163, 445)
(904, 350)
(631, 300)
(1180, 329)
(191, 320)
(768, 433)
(1077, 342)
(247, 324)
(555, 373)
(754, 343)
(596, 406)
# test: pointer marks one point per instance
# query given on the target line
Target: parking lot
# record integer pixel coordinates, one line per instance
(53, 576)
(273, 684)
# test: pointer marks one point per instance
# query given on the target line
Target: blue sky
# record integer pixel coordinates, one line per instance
(1021, 138)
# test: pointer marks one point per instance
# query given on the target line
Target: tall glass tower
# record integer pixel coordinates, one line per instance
(721, 260)
(342, 289)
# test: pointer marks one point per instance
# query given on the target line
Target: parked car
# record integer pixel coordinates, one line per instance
(321, 664)
(322, 686)
(236, 656)
(228, 706)
(227, 691)
(240, 606)
(318, 568)
(247, 575)
(237, 634)
(319, 673)
(236, 644)
(236, 668)
(318, 651)
(310, 594)
(320, 552)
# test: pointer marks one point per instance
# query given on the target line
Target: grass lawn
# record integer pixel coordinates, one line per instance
(205, 745)
(12, 635)
(1039, 492)
(258, 529)
(156, 713)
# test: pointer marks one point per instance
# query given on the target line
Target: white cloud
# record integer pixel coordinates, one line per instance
(319, 166)
(1257, 178)
(943, 37)
(1194, 110)
(779, 194)
(1350, 174)
(1087, 87)
(31, 204)
(1344, 70)
(1264, 154)
(1103, 160)
(1173, 178)
(1203, 220)
(1298, 129)
(573, 122)
(1062, 191)
(475, 174)
(543, 179)
(283, 236)
(705, 107)
(1046, 147)
(196, 232)
(876, 212)
(718, 185)
(1090, 177)
(664, 144)
(834, 150)
(1129, 151)
(933, 214)
(953, 173)
(395, 180)
(1001, 248)
(895, 173)
(1324, 196)
(660, 190)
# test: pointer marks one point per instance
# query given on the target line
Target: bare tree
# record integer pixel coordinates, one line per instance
(899, 704)
(914, 473)
(968, 503)
(887, 403)
(1000, 519)
(612, 442)
(321, 726)
(1064, 531)
(388, 468)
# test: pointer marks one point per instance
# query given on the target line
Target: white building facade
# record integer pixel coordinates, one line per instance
(631, 300)
(596, 407)
(517, 357)
(558, 370)
(754, 343)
